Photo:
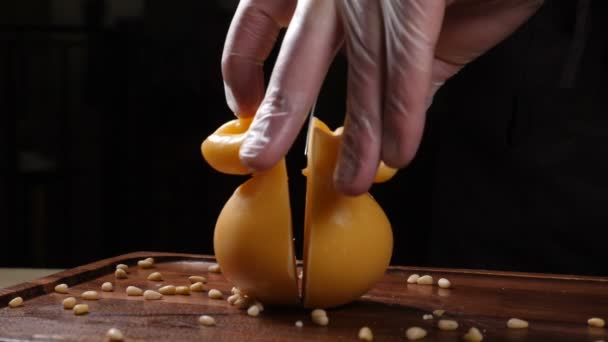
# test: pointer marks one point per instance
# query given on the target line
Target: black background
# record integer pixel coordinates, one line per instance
(104, 105)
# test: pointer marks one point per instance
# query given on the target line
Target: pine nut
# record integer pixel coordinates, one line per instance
(69, 303)
(318, 313)
(197, 279)
(473, 335)
(61, 288)
(134, 291)
(15, 302)
(447, 324)
(152, 295)
(319, 317)
(167, 290)
(90, 295)
(321, 320)
(415, 333)
(242, 302)
(425, 280)
(253, 310)
(413, 279)
(444, 283)
(259, 305)
(427, 317)
(206, 320)
(145, 264)
(122, 267)
(107, 287)
(215, 268)
(516, 323)
(120, 274)
(155, 276)
(596, 322)
(197, 287)
(150, 259)
(299, 324)
(115, 335)
(235, 290)
(80, 309)
(182, 290)
(438, 312)
(215, 294)
(365, 334)
(232, 299)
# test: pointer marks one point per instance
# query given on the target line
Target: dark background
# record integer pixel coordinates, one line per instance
(104, 104)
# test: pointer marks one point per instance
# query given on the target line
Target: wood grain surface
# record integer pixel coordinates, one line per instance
(557, 307)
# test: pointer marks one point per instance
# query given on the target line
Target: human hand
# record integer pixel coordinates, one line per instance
(399, 54)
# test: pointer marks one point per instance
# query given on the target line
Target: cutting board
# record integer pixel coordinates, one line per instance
(557, 307)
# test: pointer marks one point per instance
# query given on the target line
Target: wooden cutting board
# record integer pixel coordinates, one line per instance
(557, 307)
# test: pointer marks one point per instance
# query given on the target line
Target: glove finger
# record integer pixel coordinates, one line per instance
(412, 30)
(251, 37)
(359, 154)
(309, 46)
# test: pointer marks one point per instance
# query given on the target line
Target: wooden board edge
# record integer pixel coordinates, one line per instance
(77, 275)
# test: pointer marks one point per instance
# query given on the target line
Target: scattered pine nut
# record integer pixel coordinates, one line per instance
(235, 291)
(365, 334)
(150, 259)
(259, 305)
(232, 299)
(447, 324)
(69, 303)
(473, 335)
(427, 317)
(319, 317)
(318, 313)
(413, 279)
(299, 324)
(152, 295)
(80, 309)
(425, 280)
(206, 320)
(145, 264)
(215, 294)
(438, 312)
(197, 287)
(61, 288)
(155, 276)
(90, 295)
(114, 335)
(215, 268)
(242, 302)
(107, 287)
(197, 279)
(16, 302)
(120, 273)
(167, 290)
(596, 322)
(122, 267)
(444, 283)
(321, 320)
(415, 333)
(516, 323)
(182, 290)
(253, 310)
(134, 291)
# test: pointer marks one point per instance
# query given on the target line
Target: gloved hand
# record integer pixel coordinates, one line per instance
(399, 53)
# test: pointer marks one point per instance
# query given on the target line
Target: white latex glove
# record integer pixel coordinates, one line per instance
(399, 53)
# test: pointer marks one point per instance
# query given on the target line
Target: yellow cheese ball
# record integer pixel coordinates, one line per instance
(253, 233)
